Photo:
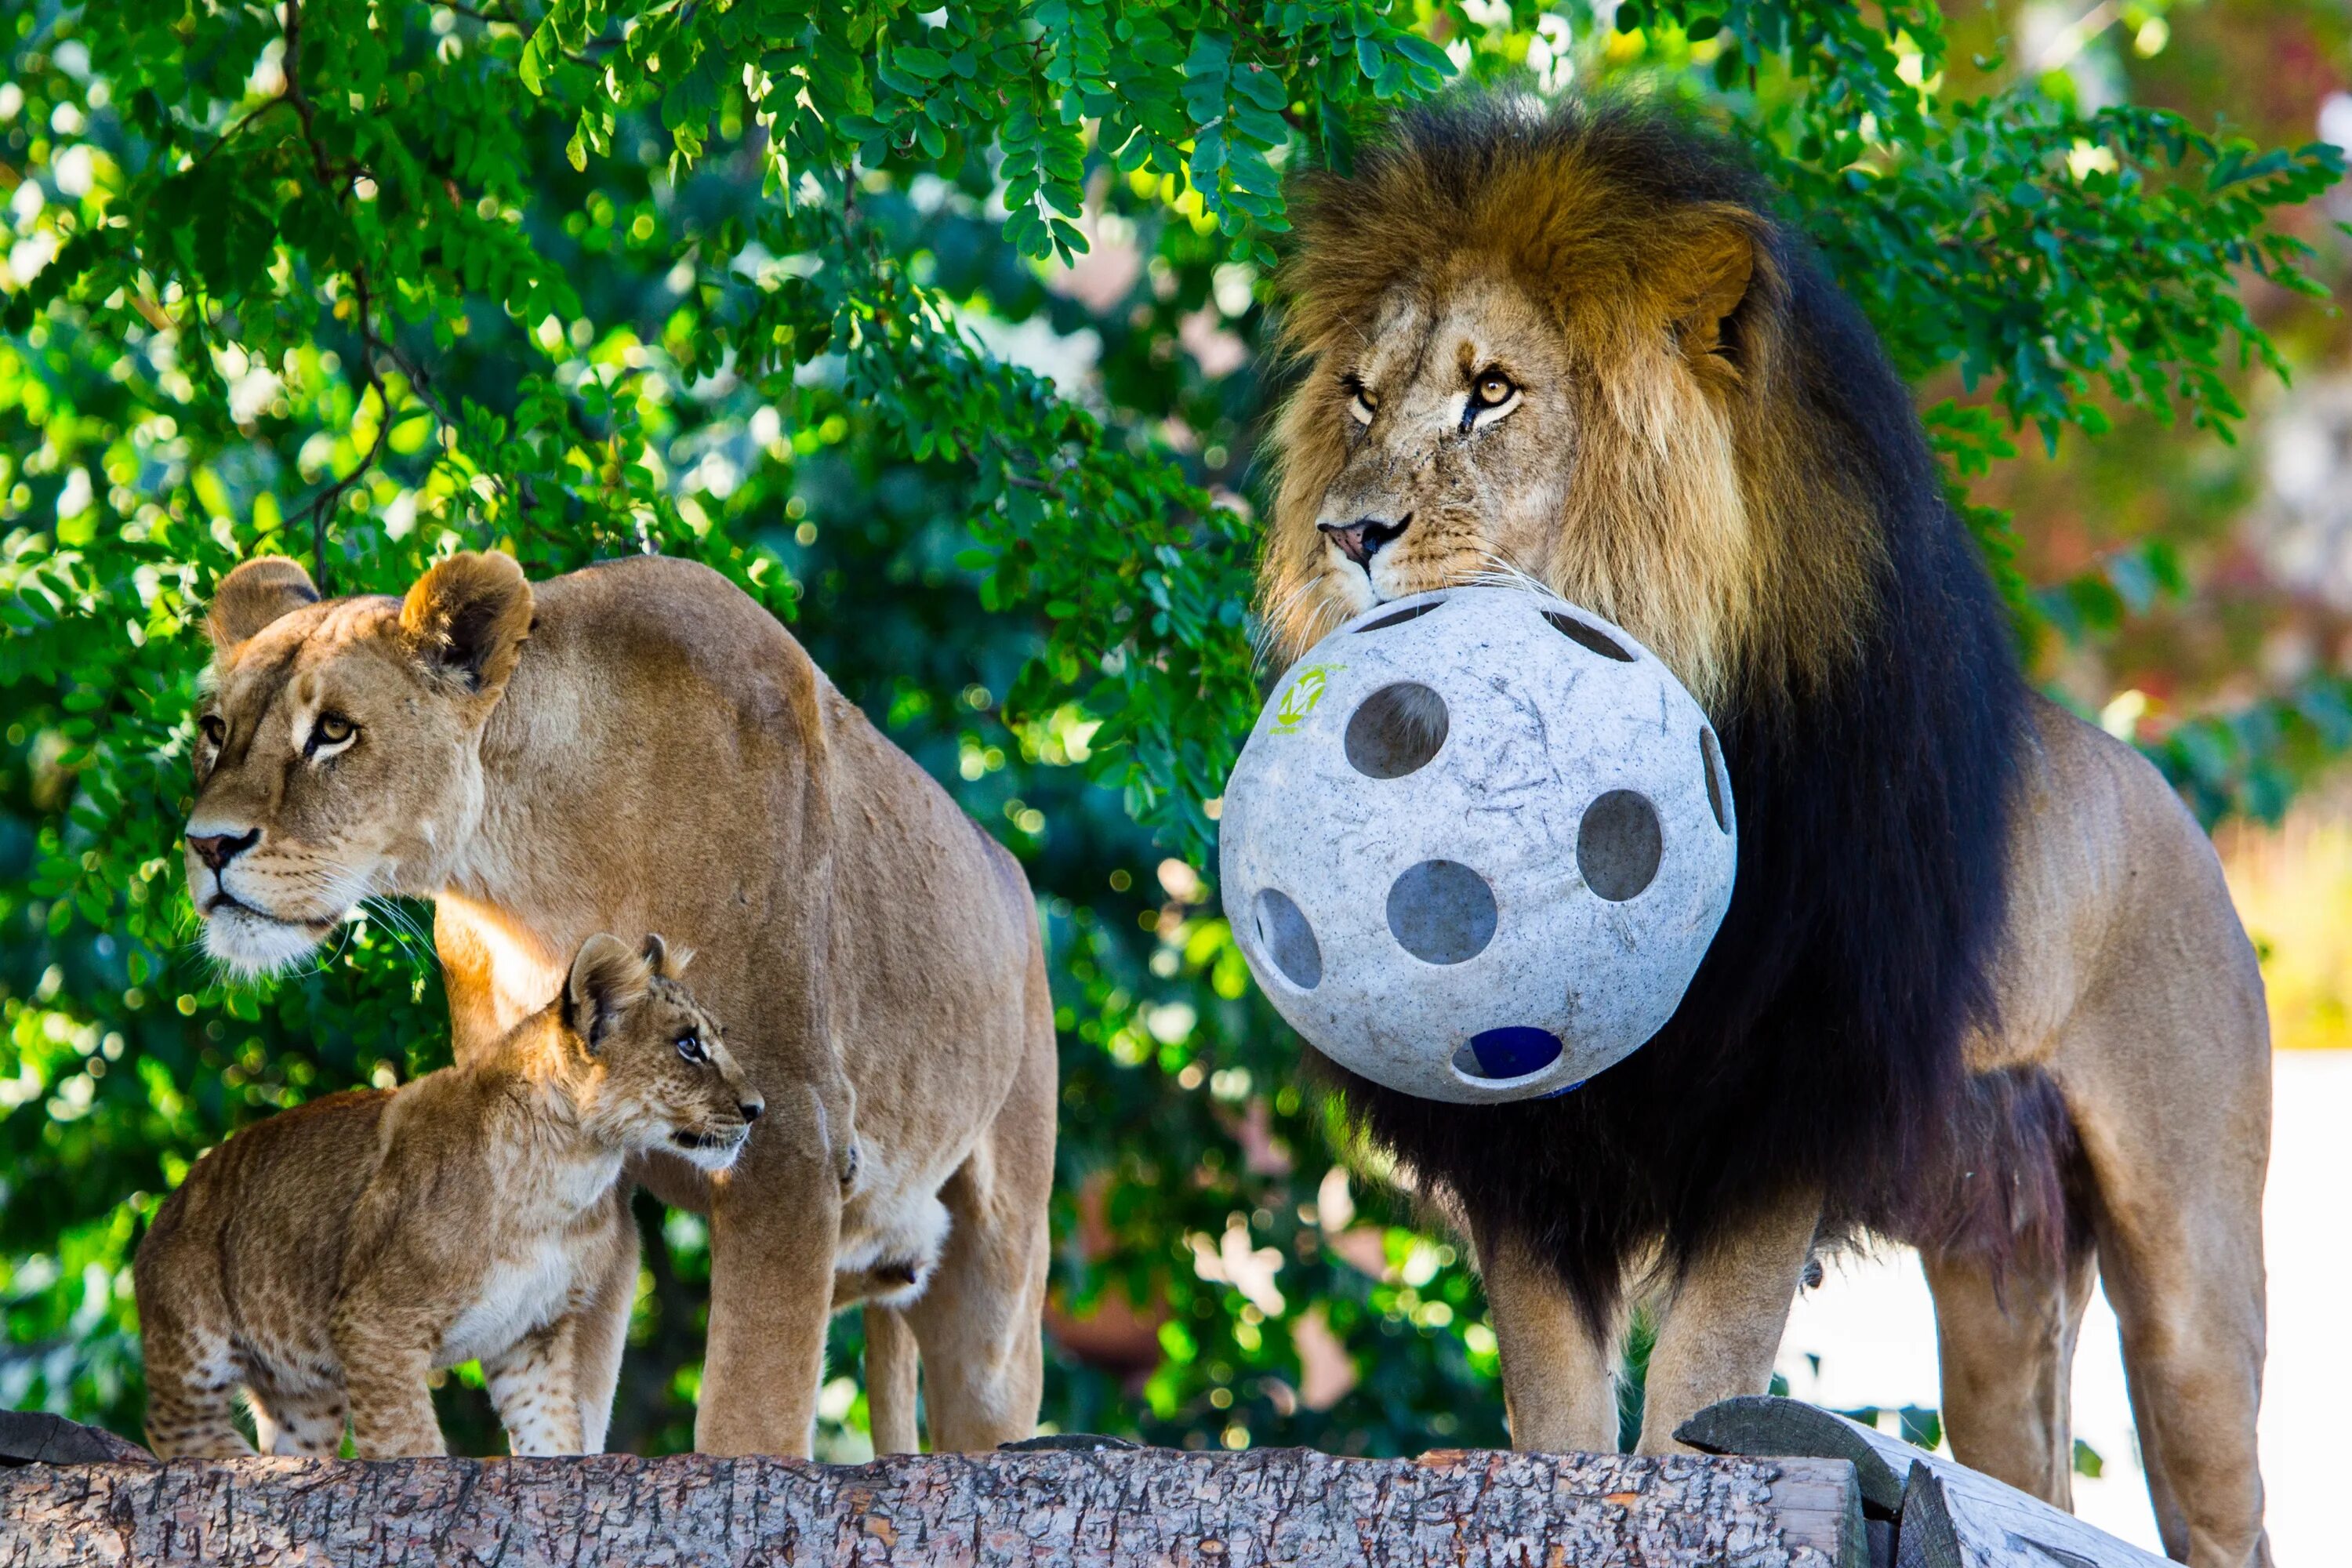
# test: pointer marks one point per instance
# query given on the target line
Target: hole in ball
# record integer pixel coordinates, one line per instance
(1710, 757)
(1514, 1051)
(1618, 844)
(1288, 940)
(1399, 617)
(1395, 730)
(1440, 911)
(1590, 637)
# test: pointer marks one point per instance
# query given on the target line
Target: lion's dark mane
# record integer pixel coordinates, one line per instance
(1820, 1047)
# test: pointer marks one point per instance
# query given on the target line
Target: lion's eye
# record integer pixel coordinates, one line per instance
(1494, 389)
(331, 730)
(1360, 405)
(216, 729)
(689, 1048)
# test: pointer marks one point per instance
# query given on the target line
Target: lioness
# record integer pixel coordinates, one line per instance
(331, 1257)
(640, 746)
(1980, 987)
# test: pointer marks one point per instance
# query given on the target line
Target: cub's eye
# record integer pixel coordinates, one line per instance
(216, 729)
(689, 1048)
(1493, 390)
(1360, 405)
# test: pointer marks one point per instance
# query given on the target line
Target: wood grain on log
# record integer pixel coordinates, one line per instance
(1067, 1509)
(1950, 1516)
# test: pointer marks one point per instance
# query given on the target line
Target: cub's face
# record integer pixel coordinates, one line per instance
(661, 1076)
(671, 1083)
(1444, 440)
(335, 753)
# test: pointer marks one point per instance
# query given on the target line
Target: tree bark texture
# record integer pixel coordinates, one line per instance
(1067, 1509)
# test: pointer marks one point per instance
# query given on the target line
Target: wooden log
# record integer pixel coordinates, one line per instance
(1063, 1509)
(36, 1437)
(1947, 1515)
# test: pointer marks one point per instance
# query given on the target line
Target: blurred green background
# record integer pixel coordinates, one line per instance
(367, 284)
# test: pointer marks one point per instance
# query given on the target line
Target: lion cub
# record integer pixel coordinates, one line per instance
(330, 1257)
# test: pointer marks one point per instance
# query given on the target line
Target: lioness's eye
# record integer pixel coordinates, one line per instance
(331, 730)
(216, 729)
(689, 1047)
(1494, 389)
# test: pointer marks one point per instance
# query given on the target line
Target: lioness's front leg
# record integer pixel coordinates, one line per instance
(1556, 1388)
(1724, 1320)
(775, 1222)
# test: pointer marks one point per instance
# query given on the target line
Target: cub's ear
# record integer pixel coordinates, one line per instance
(667, 962)
(466, 619)
(252, 596)
(1709, 273)
(606, 981)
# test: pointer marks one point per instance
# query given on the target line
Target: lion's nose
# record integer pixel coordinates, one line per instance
(751, 1109)
(217, 849)
(1361, 540)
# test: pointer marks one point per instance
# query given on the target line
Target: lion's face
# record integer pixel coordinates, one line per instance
(1454, 431)
(336, 753)
(1529, 360)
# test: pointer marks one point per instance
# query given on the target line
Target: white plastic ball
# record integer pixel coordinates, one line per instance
(1478, 845)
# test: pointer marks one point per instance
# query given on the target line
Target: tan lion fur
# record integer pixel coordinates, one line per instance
(1679, 488)
(328, 1258)
(640, 746)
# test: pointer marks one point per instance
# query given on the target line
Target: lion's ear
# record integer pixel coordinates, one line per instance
(466, 619)
(606, 981)
(1710, 275)
(258, 592)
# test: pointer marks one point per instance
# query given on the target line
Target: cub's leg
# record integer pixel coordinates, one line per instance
(298, 1424)
(1557, 1392)
(190, 1392)
(979, 1322)
(385, 1363)
(534, 1383)
(2008, 1359)
(1724, 1319)
(601, 1318)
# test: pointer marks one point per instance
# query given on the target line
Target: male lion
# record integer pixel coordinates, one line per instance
(1980, 987)
(638, 746)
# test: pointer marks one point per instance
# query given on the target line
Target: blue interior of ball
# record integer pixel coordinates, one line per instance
(1514, 1050)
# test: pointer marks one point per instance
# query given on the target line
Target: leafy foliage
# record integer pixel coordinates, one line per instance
(368, 280)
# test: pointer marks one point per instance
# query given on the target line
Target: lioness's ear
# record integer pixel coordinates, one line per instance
(606, 980)
(1710, 275)
(256, 594)
(466, 619)
(667, 962)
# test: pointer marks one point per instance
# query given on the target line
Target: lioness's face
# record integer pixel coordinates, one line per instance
(337, 751)
(1458, 432)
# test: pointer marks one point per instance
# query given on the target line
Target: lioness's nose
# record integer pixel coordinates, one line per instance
(217, 849)
(1361, 540)
(751, 1109)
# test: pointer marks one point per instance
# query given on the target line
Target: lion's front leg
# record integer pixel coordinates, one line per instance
(1558, 1390)
(775, 1223)
(1724, 1319)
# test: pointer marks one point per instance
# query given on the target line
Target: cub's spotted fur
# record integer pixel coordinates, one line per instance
(329, 1258)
